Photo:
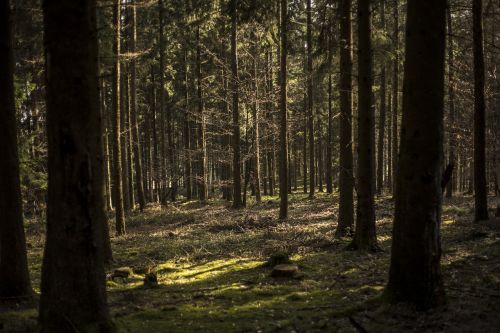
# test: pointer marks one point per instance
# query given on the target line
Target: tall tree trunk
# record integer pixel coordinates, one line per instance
(283, 162)
(73, 285)
(237, 201)
(124, 140)
(202, 144)
(480, 188)
(14, 276)
(415, 273)
(365, 237)
(187, 137)
(310, 100)
(381, 125)
(117, 146)
(395, 97)
(346, 181)
(329, 146)
(133, 112)
(163, 166)
(451, 100)
(256, 120)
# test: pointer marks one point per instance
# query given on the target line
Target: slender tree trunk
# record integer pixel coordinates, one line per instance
(124, 139)
(329, 146)
(480, 186)
(283, 162)
(187, 137)
(381, 133)
(395, 97)
(256, 120)
(73, 297)
(451, 100)
(310, 100)
(415, 273)
(133, 112)
(202, 144)
(14, 276)
(163, 166)
(346, 181)
(117, 146)
(389, 141)
(237, 201)
(365, 237)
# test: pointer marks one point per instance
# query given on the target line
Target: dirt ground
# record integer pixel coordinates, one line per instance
(210, 266)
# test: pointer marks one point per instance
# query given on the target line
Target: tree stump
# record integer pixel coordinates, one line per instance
(284, 271)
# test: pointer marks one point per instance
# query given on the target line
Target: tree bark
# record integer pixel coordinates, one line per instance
(346, 181)
(256, 120)
(480, 187)
(381, 128)
(283, 161)
(415, 273)
(14, 276)
(202, 143)
(117, 146)
(75, 216)
(237, 201)
(133, 112)
(365, 237)
(310, 101)
(395, 98)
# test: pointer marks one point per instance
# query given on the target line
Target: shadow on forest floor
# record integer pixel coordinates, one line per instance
(209, 260)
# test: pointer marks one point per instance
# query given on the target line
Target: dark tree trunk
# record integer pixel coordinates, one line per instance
(117, 146)
(256, 120)
(202, 144)
(451, 100)
(329, 146)
(381, 128)
(14, 276)
(133, 114)
(310, 116)
(283, 162)
(73, 289)
(186, 135)
(415, 273)
(346, 181)
(162, 98)
(395, 98)
(480, 188)
(365, 235)
(237, 201)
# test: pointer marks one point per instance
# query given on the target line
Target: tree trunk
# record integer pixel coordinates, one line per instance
(395, 98)
(283, 162)
(187, 137)
(202, 144)
(415, 273)
(163, 166)
(256, 120)
(133, 112)
(117, 146)
(365, 237)
(346, 181)
(329, 146)
(73, 285)
(310, 101)
(381, 128)
(14, 276)
(237, 202)
(480, 188)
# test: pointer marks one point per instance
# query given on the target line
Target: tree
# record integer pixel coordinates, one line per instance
(395, 98)
(133, 112)
(415, 273)
(237, 201)
(381, 133)
(365, 236)
(480, 189)
(202, 142)
(346, 182)
(117, 146)
(451, 101)
(256, 120)
(14, 276)
(310, 117)
(283, 114)
(73, 286)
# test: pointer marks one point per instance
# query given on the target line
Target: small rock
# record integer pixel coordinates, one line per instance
(122, 272)
(284, 270)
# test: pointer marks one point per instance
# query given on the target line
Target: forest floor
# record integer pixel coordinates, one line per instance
(210, 263)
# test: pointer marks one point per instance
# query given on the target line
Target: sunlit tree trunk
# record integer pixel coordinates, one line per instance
(283, 160)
